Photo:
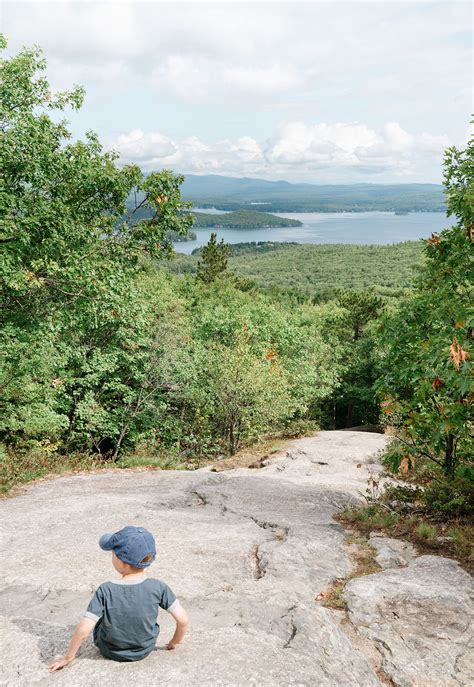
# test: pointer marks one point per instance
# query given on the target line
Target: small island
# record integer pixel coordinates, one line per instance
(243, 219)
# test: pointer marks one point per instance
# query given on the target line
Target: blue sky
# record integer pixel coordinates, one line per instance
(304, 91)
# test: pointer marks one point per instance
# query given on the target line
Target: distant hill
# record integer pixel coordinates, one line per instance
(227, 193)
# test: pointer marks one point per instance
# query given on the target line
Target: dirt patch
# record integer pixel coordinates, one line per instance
(255, 456)
(362, 556)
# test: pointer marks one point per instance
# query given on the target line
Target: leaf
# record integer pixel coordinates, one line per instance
(406, 464)
(457, 354)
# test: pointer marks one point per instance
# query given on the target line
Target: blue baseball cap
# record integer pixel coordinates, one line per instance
(132, 545)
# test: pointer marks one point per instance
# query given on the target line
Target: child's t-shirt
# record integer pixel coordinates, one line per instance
(126, 615)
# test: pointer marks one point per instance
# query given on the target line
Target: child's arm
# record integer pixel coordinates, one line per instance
(181, 617)
(82, 631)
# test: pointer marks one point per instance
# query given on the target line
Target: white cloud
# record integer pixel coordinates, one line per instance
(272, 79)
(376, 72)
(187, 47)
(144, 148)
(187, 78)
(193, 78)
(296, 151)
(64, 75)
(152, 150)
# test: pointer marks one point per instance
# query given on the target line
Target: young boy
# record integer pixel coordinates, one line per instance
(124, 613)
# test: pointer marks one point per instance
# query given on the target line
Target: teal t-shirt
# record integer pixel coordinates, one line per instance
(126, 615)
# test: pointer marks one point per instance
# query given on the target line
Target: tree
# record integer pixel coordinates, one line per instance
(362, 307)
(214, 260)
(244, 394)
(426, 382)
(72, 260)
(355, 401)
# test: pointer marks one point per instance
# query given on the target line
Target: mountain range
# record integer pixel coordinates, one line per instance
(229, 193)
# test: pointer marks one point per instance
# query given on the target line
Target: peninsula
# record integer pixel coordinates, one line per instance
(243, 219)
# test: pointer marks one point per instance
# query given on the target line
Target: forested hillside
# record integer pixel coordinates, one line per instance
(243, 219)
(317, 270)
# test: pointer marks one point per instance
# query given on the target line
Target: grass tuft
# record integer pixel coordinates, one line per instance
(362, 555)
(452, 538)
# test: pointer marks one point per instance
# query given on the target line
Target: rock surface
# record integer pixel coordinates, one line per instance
(247, 552)
(392, 553)
(421, 620)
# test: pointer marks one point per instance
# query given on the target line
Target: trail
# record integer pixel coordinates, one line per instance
(247, 552)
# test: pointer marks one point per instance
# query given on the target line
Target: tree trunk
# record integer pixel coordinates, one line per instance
(350, 413)
(449, 464)
(231, 439)
(118, 445)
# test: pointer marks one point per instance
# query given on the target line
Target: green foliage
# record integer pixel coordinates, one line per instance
(244, 219)
(393, 456)
(104, 353)
(354, 401)
(174, 237)
(425, 531)
(426, 379)
(252, 247)
(362, 307)
(213, 261)
(246, 394)
(428, 489)
(450, 497)
(107, 354)
(76, 333)
(317, 271)
(258, 366)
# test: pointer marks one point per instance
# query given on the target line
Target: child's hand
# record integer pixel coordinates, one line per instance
(61, 663)
(80, 633)
(171, 645)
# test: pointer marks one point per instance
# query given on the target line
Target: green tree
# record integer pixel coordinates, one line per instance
(355, 400)
(361, 306)
(213, 261)
(76, 323)
(265, 356)
(248, 394)
(427, 370)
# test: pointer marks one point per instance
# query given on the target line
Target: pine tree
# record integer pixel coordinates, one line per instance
(214, 260)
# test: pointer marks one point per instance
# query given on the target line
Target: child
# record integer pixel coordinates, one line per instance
(124, 613)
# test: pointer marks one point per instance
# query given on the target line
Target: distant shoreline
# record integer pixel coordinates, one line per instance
(202, 208)
(358, 228)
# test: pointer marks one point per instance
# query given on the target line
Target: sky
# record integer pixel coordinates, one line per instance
(319, 92)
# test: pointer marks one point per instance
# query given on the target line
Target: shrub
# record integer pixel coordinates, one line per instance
(393, 456)
(450, 498)
(426, 531)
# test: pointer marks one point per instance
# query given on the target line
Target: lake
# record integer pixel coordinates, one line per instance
(332, 227)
